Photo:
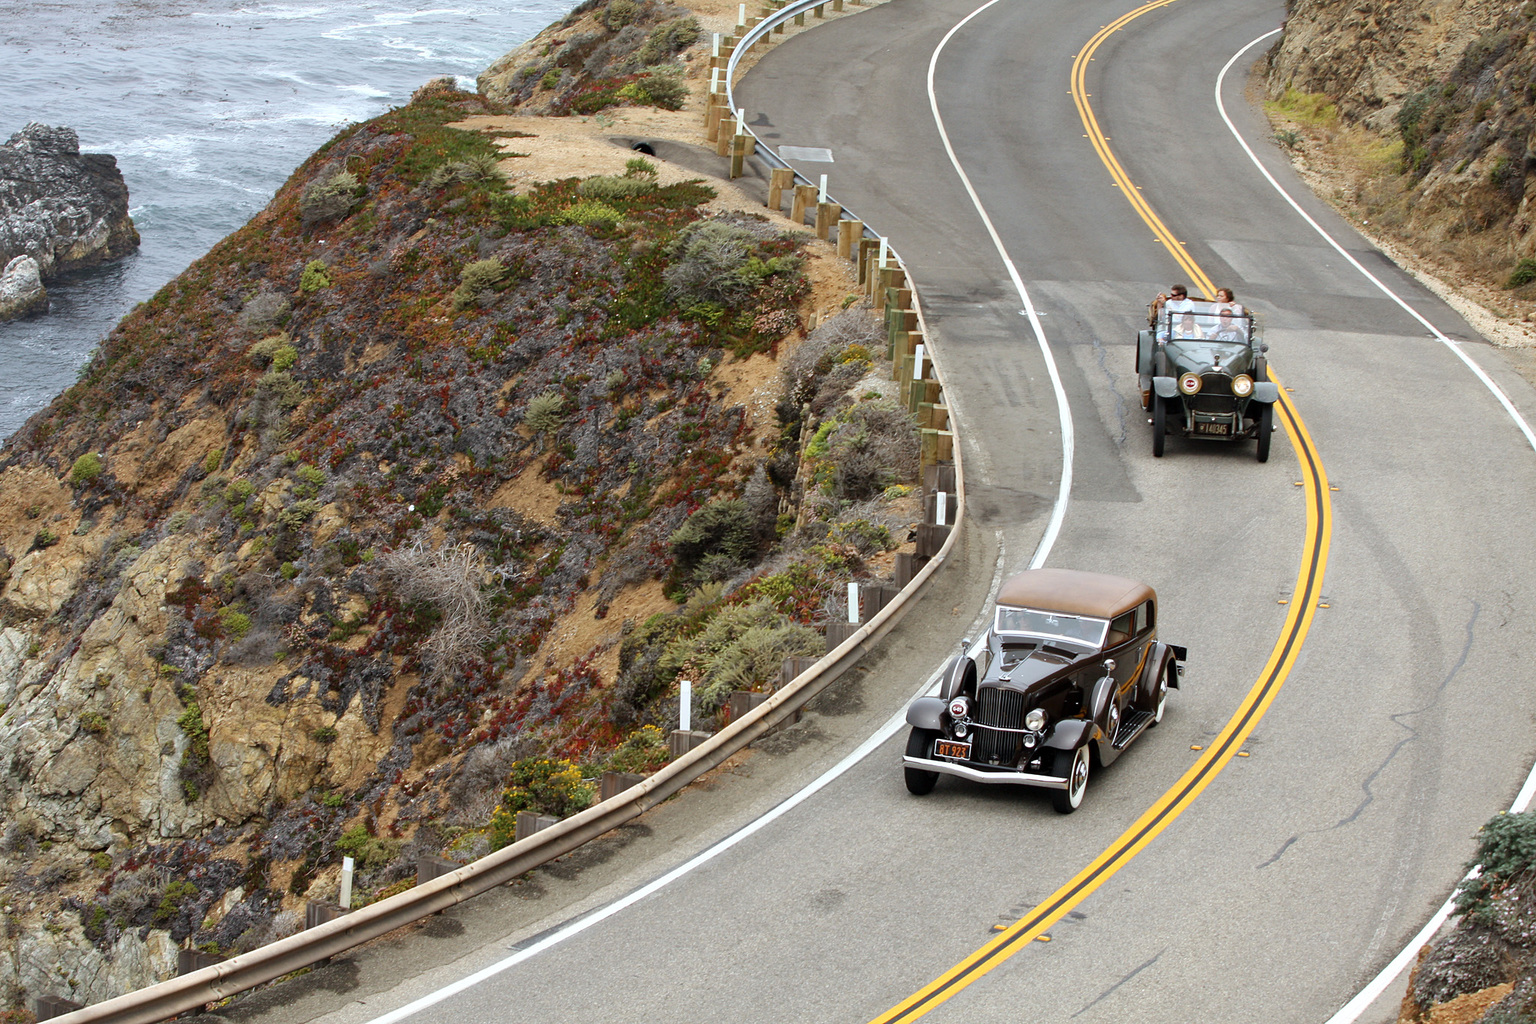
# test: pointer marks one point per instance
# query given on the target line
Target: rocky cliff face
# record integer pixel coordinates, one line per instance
(386, 493)
(63, 208)
(1445, 87)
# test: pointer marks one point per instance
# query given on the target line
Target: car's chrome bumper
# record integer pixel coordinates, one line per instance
(989, 775)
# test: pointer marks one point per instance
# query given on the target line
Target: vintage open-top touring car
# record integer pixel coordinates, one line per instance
(1203, 374)
(1069, 674)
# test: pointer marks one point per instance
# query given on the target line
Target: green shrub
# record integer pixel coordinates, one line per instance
(643, 751)
(551, 78)
(544, 412)
(588, 212)
(86, 468)
(175, 896)
(867, 538)
(667, 39)
(324, 734)
(297, 514)
(178, 521)
(368, 851)
(543, 786)
(619, 13)
(288, 570)
(213, 460)
(476, 167)
(716, 542)
(1524, 273)
(94, 722)
(665, 91)
(609, 187)
(236, 623)
(740, 647)
(639, 166)
(329, 198)
(477, 277)
(262, 352)
(44, 538)
(715, 261)
(315, 277)
(1506, 850)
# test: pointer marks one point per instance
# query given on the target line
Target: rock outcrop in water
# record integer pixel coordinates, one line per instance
(21, 289)
(63, 208)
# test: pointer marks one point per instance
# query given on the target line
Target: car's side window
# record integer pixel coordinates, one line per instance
(1144, 617)
(1120, 630)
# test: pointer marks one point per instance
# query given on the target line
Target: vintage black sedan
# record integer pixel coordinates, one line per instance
(1069, 674)
(1203, 374)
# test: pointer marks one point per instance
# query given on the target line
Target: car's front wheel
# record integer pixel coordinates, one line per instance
(1159, 699)
(1074, 765)
(1159, 423)
(1266, 429)
(920, 744)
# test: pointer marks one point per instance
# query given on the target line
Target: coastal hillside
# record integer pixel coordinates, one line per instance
(1415, 118)
(404, 508)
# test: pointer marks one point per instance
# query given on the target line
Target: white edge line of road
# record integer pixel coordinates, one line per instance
(1352, 1010)
(1064, 411)
(892, 725)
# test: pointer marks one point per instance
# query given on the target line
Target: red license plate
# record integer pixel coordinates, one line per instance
(950, 748)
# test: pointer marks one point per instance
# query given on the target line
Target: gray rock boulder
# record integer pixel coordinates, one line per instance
(63, 208)
(21, 289)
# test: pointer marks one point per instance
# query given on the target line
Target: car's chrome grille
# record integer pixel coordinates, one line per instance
(1215, 394)
(1000, 709)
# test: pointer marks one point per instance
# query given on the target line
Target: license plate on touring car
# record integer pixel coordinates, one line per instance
(949, 748)
(1218, 429)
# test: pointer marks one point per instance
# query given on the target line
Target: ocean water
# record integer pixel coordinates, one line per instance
(208, 107)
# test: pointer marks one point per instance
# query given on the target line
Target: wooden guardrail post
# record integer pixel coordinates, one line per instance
(428, 868)
(529, 822)
(848, 232)
(614, 783)
(805, 196)
(826, 216)
(683, 740)
(741, 148)
(819, 11)
(837, 5)
(779, 179)
(868, 247)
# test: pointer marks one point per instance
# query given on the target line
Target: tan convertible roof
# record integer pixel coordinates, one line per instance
(1073, 592)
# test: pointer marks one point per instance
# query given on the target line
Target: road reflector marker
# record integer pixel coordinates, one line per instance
(1195, 746)
(1242, 753)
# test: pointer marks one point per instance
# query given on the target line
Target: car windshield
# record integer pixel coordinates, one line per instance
(1083, 630)
(1200, 356)
(1199, 320)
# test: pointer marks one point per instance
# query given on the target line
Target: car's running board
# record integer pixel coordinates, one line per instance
(1131, 727)
(978, 775)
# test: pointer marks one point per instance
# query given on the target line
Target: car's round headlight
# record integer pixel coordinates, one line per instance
(1035, 720)
(959, 707)
(1189, 383)
(1242, 385)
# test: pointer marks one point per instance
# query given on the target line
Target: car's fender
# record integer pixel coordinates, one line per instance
(1067, 734)
(926, 713)
(1144, 343)
(960, 671)
(1166, 387)
(1161, 662)
(1265, 391)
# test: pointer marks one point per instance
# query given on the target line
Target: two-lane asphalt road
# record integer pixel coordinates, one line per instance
(1400, 723)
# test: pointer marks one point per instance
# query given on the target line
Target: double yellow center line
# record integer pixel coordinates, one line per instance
(1298, 621)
